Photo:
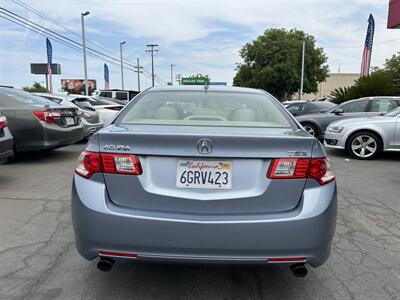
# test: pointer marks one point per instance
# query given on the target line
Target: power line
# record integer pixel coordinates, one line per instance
(358, 47)
(38, 13)
(58, 40)
(17, 17)
(14, 15)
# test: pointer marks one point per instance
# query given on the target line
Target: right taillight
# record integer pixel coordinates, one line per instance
(319, 169)
(112, 163)
(3, 122)
(47, 116)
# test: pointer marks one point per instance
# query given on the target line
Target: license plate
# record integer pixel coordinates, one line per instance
(201, 174)
(70, 121)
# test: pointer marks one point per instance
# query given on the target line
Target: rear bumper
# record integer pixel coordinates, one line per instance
(307, 231)
(6, 145)
(89, 129)
(54, 137)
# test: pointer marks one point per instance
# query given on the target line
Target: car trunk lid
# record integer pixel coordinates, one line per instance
(247, 151)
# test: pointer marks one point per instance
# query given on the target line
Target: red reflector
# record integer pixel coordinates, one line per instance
(285, 259)
(117, 254)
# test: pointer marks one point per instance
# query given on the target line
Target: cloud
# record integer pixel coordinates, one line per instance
(198, 36)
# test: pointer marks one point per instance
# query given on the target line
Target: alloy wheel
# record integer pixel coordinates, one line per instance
(364, 146)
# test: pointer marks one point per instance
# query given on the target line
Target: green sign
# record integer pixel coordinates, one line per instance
(194, 80)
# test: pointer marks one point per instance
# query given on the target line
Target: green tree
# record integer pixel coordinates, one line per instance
(273, 62)
(36, 88)
(392, 65)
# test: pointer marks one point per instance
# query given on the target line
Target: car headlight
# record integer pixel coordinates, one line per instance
(336, 129)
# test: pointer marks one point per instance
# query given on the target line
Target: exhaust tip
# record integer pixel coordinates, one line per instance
(105, 264)
(299, 270)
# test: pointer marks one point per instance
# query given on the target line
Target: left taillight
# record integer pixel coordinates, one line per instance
(112, 163)
(3, 122)
(47, 116)
(319, 169)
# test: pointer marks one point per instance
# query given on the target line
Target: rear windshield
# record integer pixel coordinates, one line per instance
(191, 108)
(28, 98)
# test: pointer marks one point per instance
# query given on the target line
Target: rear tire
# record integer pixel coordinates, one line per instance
(311, 129)
(364, 145)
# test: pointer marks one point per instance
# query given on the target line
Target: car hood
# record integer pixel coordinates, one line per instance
(354, 121)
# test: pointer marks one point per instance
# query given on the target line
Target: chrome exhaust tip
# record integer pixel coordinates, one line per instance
(105, 264)
(299, 270)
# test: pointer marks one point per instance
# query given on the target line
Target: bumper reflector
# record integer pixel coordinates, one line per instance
(117, 254)
(278, 260)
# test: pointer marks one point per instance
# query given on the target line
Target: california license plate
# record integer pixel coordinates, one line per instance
(70, 121)
(202, 174)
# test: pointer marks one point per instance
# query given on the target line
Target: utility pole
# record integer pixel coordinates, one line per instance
(152, 49)
(302, 71)
(172, 77)
(179, 76)
(122, 66)
(138, 71)
(84, 51)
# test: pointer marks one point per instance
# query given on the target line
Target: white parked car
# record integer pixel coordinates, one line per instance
(107, 109)
(364, 138)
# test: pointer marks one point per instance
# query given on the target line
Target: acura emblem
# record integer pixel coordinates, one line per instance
(204, 146)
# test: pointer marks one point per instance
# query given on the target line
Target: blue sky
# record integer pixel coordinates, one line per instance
(196, 36)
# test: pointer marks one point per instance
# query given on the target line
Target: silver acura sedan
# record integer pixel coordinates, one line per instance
(204, 175)
(365, 138)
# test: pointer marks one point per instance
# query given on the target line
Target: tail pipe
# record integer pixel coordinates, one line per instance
(105, 264)
(299, 270)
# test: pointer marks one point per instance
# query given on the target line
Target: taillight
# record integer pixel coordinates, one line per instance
(291, 168)
(121, 164)
(3, 122)
(47, 116)
(82, 114)
(113, 163)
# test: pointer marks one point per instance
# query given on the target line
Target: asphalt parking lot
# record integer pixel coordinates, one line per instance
(38, 258)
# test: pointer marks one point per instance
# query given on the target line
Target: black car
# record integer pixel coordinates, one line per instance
(37, 123)
(299, 108)
(6, 141)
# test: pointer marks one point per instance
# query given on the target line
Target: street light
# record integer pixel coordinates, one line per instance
(302, 71)
(122, 66)
(172, 67)
(84, 51)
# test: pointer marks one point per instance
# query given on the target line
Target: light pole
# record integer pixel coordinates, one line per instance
(122, 66)
(84, 51)
(302, 71)
(172, 68)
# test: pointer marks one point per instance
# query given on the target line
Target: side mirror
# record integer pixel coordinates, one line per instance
(338, 111)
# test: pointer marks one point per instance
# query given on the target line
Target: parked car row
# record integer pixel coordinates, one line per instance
(40, 121)
(363, 127)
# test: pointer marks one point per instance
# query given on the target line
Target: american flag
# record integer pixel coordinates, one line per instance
(49, 62)
(366, 59)
(106, 78)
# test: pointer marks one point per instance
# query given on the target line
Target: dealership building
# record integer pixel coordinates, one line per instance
(394, 14)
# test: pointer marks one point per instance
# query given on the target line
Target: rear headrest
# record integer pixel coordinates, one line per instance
(244, 114)
(167, 112)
